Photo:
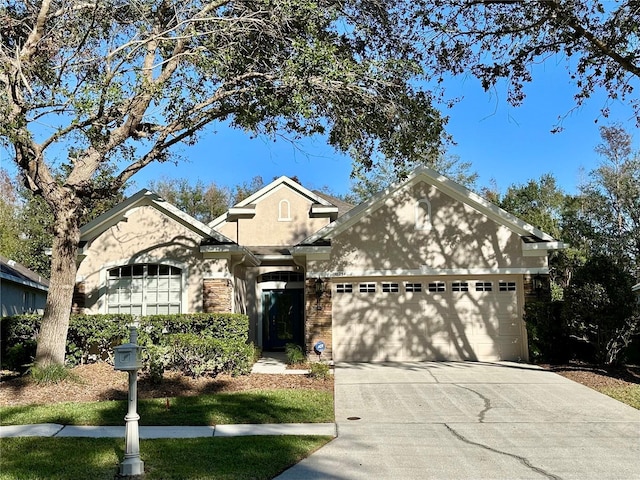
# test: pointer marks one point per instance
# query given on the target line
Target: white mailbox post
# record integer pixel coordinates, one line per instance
(128, 359)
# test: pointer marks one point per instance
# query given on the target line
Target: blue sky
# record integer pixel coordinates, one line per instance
(506, 145)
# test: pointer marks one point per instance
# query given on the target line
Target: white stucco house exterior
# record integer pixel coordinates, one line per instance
(425, 270)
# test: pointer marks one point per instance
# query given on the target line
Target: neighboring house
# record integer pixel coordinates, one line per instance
(636, 289)
(426, 270)
(21, 290)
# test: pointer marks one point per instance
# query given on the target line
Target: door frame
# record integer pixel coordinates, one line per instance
(297, 320)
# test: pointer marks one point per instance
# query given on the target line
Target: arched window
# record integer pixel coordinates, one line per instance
(144, 289)
(284, 211)
(423, 214)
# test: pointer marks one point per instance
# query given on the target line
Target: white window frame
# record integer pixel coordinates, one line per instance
(413, 287)
(436, 287)
(460, 286)
(505, 286)
(281, 204)
(367, 287)
(390, 287)
(484, 286)
(145, 303)
(422, 213)
(344, 288)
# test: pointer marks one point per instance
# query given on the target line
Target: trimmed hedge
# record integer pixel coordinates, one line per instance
(93, 337)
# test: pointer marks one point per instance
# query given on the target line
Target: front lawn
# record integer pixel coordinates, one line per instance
(233, 458)
(262, 406)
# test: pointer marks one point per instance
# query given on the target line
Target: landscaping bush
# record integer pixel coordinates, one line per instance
(93, 338)
(600, 308)
(319, 370)
(295, 355)
(195, 355)
(18, 341)
(547, 332)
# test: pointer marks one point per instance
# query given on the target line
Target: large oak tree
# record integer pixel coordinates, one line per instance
(120, 83)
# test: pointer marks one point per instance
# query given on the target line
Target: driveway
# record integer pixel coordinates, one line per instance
(467, 420)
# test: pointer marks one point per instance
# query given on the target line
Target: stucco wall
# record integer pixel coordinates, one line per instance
(275, 223)
(456, 237)
(148, 236)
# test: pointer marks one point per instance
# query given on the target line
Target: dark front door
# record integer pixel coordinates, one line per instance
(282, 317)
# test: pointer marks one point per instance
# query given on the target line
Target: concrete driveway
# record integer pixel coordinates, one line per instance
(466, 420)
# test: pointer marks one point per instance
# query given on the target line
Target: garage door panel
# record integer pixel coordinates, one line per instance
(482, 325)
(510, 328)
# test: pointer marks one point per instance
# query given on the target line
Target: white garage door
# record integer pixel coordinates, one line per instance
(427, 318)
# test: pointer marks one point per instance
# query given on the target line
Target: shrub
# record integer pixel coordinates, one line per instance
(18, 341)
(195, 355)
(295, 355)
(547, 332)
(93, 337)
(51, 374)
(599, 308)
(319, 370)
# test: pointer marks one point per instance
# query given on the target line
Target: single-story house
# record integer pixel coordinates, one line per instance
(425, 270)
(21, 290)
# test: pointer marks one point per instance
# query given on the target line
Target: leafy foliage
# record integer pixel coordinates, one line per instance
(195, 355)
(601, 309)
(50, 374)
(547, 332)
(295, 354)
(609, 214)
(113, 85)
(202, 202)
(319, 370)
(92, 338)
(366, 182)
(498, 40)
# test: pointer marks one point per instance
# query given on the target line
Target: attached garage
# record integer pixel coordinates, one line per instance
(428, 318)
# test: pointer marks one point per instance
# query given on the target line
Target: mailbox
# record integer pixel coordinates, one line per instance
(128, 356)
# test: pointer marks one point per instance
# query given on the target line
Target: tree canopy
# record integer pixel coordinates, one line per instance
(498, 40)
(120, 84)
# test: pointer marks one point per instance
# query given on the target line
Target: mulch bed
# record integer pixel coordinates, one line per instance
(596, 376)
(99, 381)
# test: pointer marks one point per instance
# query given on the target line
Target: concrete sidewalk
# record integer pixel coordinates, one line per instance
(236, 430)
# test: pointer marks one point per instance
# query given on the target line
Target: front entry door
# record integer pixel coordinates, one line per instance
(282, 316)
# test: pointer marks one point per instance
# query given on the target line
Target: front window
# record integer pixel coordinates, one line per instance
(144, 289)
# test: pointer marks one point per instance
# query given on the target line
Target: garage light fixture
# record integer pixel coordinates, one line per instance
(538, 284)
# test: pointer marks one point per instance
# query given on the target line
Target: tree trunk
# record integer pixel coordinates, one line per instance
(52, 338)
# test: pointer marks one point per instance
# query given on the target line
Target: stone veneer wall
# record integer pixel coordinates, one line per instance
(216, 295)
(318, 319)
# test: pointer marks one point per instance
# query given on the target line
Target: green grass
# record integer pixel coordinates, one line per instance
(234, 458)
(267, 406)
(629, 394)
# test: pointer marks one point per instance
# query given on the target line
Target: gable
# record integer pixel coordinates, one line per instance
(428, 224)
(443, 184)
(120, 213)
(281, 214)
(422, 228)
